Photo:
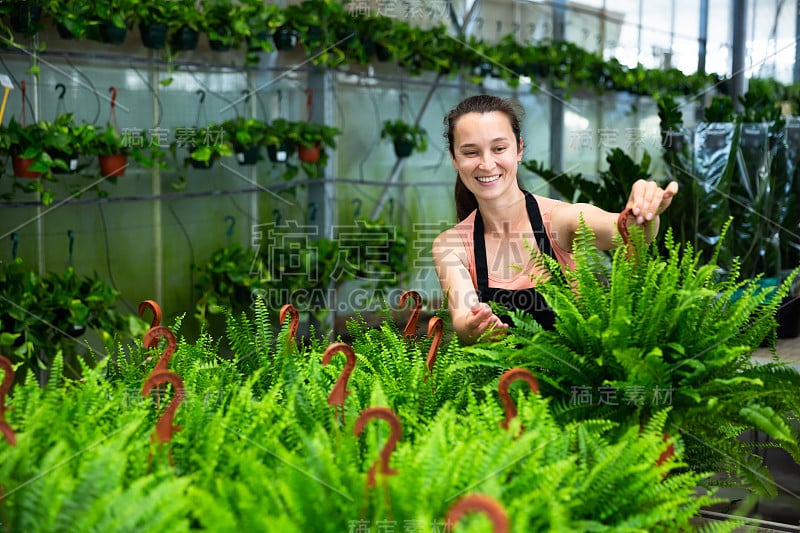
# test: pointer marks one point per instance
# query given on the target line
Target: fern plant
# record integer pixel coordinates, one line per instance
(648, 332)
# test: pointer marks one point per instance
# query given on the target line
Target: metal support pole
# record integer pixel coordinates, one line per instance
(702, 37)
(323, 194)
(796, 68)
(556, 103)
(158, 235)
(739, 38)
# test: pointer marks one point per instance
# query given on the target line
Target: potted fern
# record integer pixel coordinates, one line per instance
(650, 333)
(405, 137)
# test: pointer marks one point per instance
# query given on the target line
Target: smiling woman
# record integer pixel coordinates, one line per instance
(487, 257)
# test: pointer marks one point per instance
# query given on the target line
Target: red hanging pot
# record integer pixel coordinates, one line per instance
(21, 165)
(113, 166)
(308, 154)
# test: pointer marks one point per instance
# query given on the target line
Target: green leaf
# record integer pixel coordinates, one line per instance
(7, 339)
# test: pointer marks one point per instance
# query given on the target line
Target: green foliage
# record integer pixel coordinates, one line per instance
(245, 132)
(44, 315)
(401, 131)
(663, 332)
(227, 281)
(739, 165)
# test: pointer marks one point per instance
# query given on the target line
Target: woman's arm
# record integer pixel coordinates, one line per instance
(647, 200)
(470, 317)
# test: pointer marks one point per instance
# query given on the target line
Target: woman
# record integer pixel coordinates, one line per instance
(487, 255)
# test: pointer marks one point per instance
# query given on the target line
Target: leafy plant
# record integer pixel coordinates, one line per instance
(72, 17)
(227, 281)
(647, 332)
(43, 315)
(257, 22)
(205, 144)
(222, 22)
(402, 133)
(245, 133)
(119, 12)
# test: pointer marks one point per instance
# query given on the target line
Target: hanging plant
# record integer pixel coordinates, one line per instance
(405, 137)
(311, 140)
(246, 136)
(113, 18)
(205, 145)
(184, 29)
(153, 19)
(112, 151)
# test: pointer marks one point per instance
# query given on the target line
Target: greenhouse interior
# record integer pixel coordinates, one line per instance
(553, 246)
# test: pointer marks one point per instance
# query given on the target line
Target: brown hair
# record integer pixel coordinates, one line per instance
(482, 103)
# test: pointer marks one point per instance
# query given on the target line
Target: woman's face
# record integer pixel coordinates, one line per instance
(485, 153)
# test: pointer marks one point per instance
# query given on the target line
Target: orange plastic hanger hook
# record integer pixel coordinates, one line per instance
(154, 307)
(411, 326)
(384, 413)
(164, 426)
(506, 380)
(5, 386)
(339, 391)
(151, 341)
(24, 87)
(294, 321)
(435, 330)
(479, 503)
(309, 101)
(622, 227)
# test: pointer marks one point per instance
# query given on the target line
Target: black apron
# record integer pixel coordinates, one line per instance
(517, 299)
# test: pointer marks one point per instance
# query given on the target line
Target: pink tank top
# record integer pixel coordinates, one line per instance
(521, 278)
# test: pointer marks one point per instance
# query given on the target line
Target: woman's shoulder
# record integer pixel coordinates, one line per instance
(548, 204)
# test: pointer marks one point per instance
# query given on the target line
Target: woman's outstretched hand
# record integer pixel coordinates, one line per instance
(481, 319)
(648, 200)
